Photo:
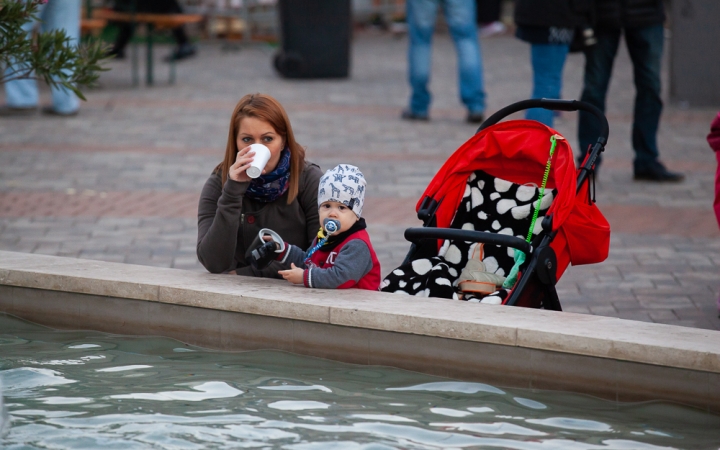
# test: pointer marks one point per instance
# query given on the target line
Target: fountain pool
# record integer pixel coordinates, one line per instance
(86, 389)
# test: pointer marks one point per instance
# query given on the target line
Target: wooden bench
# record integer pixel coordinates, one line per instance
(152, 23)
(92, 26)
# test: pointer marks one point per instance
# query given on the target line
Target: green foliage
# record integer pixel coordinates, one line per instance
(48, 56)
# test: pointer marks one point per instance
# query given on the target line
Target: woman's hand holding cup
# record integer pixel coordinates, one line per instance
(250, 163)
(260, 160)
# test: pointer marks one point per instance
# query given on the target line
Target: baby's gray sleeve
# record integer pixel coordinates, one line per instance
(352, 263)
(294, 254)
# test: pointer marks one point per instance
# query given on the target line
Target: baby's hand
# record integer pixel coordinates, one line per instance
(294, 275)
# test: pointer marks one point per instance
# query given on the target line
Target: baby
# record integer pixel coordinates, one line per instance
(341, 256)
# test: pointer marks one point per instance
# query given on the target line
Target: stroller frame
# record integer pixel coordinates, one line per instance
(541, 265)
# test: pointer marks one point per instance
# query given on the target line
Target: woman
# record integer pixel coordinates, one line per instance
(234, 208)
(549, 27)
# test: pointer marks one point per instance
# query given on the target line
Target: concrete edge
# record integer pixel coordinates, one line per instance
(596, 336)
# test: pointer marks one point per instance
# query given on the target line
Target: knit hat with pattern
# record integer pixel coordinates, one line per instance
(343, 184)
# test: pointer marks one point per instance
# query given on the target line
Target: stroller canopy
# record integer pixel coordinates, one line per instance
(518, 151)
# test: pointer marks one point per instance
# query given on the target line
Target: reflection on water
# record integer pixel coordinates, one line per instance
(451, 386)
(4, 416)
(66, 390)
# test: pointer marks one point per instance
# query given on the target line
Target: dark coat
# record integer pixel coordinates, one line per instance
(553, 13)
(228, 222)
(613, 14)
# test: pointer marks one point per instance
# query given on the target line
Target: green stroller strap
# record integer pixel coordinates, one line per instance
(519, 255)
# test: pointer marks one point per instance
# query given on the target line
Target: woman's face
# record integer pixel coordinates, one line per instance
(257, 131)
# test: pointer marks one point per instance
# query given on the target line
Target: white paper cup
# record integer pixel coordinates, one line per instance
(262, 156)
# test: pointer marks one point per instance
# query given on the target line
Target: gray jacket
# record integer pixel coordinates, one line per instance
(228, 222)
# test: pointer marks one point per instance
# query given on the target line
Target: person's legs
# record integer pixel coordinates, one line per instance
(63, 15)
(599, 60)
(125, 30)
(488, 18)
(645, 46)
(125, 33)
(173, 7)
(421, 15)
(22, 94)
(460, 15)
(548, 61)
(180, 36)
(488, 11)
(184, 48)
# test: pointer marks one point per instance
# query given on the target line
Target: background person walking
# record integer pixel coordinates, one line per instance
(641, 22)
(460, 18)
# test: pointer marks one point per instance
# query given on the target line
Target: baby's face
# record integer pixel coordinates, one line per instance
(339, 212)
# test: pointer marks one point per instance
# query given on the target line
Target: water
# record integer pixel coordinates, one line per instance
(84, 389)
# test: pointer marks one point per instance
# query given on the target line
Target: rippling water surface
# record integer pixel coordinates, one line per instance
(82, 389)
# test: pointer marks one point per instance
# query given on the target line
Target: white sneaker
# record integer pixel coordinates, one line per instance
(492, 28)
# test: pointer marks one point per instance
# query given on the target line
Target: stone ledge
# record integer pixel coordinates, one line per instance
(596, 336)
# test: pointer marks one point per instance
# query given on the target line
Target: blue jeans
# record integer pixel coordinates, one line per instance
(460, 17)
(548, 61)
(645, 46)
(57, 14)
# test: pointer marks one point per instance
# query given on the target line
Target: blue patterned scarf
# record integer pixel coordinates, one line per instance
(271, 186)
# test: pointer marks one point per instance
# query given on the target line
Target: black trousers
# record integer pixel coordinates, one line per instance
(488, 11)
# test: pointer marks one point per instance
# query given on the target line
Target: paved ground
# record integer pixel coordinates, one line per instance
(120, 182)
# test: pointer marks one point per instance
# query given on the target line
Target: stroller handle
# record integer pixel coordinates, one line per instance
(414, 234)
(554, 105)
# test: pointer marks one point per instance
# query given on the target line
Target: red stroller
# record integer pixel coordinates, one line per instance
(511, 204)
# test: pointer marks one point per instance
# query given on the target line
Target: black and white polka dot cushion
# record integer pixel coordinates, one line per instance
(489, 204)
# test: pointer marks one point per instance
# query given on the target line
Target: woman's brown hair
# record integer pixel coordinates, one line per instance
(266, 108)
